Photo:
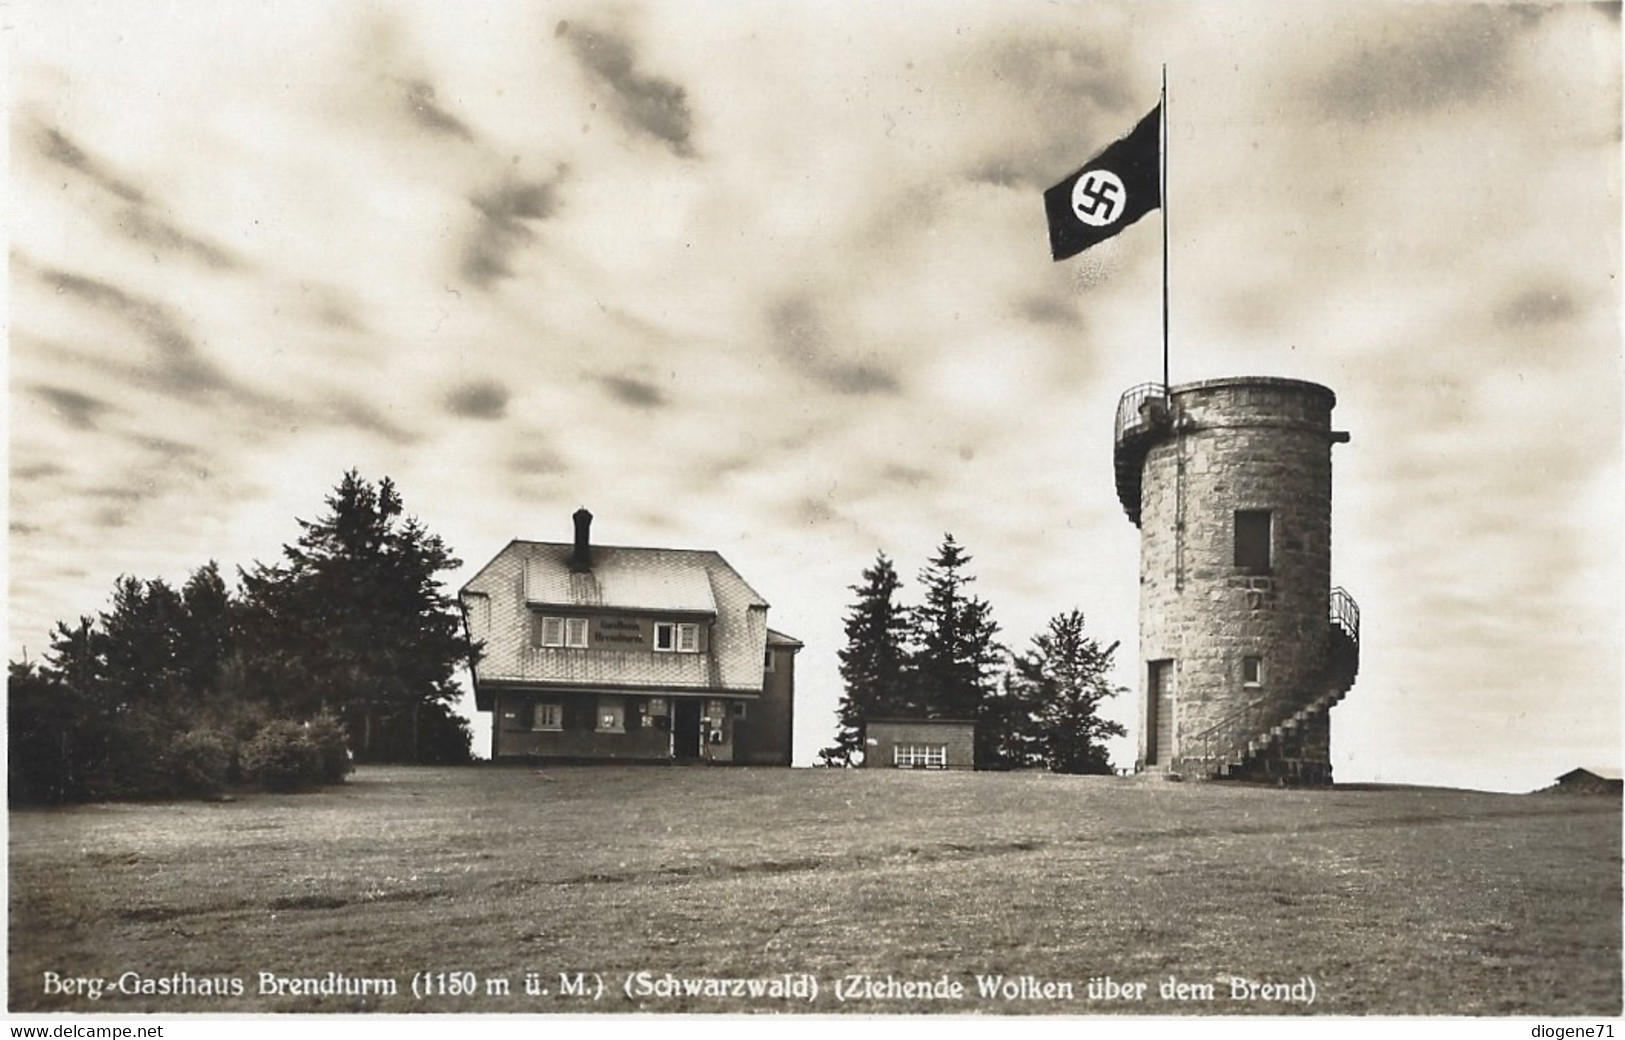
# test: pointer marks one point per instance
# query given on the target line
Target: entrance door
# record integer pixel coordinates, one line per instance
(1159, 708)
(685, 728)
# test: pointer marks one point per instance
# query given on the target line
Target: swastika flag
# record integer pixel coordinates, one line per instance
(1111, 191)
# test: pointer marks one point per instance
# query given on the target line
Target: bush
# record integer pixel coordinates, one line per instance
(327, 733)
(197, 762)
(282, 757)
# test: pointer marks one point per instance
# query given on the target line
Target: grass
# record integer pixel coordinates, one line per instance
(1395, 901)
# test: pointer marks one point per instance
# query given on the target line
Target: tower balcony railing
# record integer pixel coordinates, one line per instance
(1142, 416)
(1141, 409)
(1346, 614)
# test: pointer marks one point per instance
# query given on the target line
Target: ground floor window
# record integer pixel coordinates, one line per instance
(611, 715)
(1252, 671)
(549, 715)
(920, 756)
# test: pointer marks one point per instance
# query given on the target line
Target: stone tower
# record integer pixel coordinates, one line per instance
(1244, 644)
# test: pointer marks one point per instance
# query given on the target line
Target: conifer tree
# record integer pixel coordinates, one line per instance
(1065, 677)
(354, 620)
(872, 662)
(956, 660)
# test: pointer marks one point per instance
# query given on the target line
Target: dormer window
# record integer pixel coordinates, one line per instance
(564, 631)
(677, 638)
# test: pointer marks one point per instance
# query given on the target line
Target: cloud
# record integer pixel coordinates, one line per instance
(1436, 59)
(1066, 98)
(419, 97)
(799, 336)
(134, 216)
(481, 399)
(347, 410)
(36, 471)
(635, 392)
(506, 213)
(76, 409)
(182, 367)
(652, 105)
(1537, 305)
(142, 226)
(535, 461)
(58, 147)
(1053, 310)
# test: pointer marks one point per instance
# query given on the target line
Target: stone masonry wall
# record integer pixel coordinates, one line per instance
(1237, 444)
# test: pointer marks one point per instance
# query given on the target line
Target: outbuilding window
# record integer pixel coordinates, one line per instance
(920, 756)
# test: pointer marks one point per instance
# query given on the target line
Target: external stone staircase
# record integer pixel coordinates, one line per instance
(1258, 742)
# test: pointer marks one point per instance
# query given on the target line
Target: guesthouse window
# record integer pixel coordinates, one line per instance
(920, 756)
(549, 715)
(675, 637)
(1253, 540)
(611, 715)
(561, 631)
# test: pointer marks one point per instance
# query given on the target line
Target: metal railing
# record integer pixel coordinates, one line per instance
(1227, 739)
(1132, 414)
(1346, 614)
(1220, 741)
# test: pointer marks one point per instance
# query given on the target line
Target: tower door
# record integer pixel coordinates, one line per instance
(1159, 707)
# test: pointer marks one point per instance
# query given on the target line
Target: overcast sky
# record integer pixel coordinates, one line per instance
(773, 279)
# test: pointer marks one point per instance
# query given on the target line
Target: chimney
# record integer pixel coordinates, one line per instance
(581, 559)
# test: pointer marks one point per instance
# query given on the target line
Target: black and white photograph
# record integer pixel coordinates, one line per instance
(682, 511)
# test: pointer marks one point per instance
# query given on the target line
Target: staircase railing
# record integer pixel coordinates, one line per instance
(1219, 741)
(1228, 738)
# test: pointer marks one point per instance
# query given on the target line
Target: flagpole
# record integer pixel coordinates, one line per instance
(1162, 188)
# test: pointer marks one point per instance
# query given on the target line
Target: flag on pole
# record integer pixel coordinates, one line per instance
(1111, 191)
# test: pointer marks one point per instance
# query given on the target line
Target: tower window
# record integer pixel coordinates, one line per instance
(1253, 540)
(1252, 671)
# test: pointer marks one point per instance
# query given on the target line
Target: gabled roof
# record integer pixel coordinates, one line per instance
(527, 577)
(775, 638)
(1600, 772)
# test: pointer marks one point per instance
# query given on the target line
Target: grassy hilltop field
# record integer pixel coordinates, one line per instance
(1027, 891)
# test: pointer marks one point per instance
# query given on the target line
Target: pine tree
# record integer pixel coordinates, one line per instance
(207, 635)
(872, 662)
(1065, 677)
(956, 658)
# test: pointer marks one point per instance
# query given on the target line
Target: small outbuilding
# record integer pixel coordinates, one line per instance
(1589, 781)
(919, 744)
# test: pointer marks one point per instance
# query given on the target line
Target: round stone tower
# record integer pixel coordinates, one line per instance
(1244, 644)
